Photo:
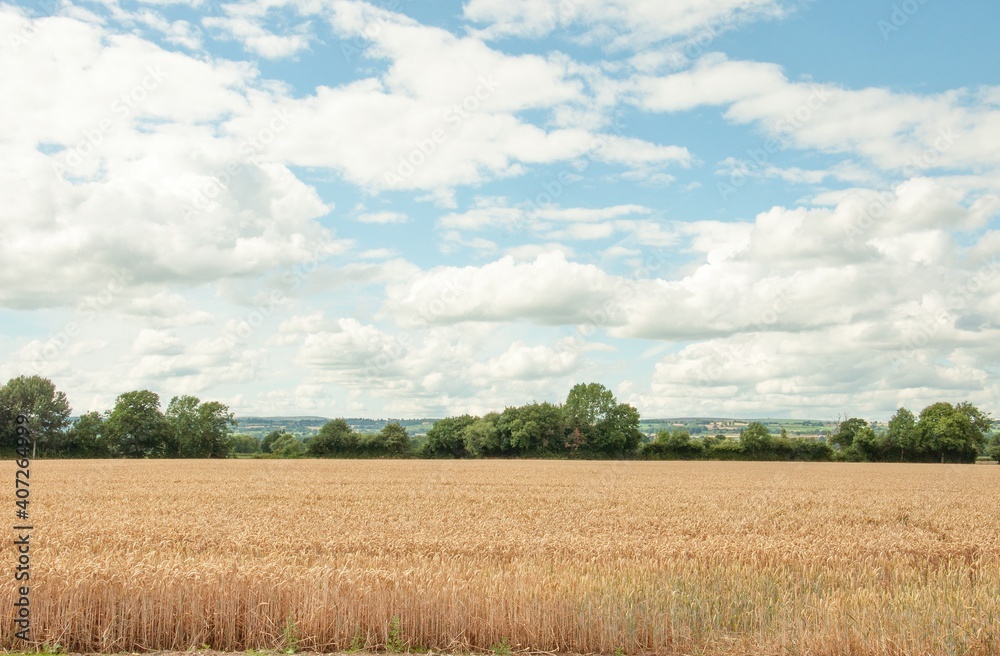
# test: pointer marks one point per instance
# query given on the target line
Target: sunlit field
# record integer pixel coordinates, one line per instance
(569, 556)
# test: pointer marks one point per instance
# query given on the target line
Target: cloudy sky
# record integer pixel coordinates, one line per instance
(411, 208)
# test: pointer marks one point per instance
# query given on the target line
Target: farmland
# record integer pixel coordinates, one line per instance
(570, 556)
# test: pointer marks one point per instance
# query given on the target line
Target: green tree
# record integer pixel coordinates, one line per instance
(86, 438)
(182, 416)
(586, 405)
(288, 446)
(980, 420)
(199, 430)
(271, 438)
(993, 450)
(446, 438)
(606, 426)
(243, 443)
(846, 431)
(901, 434)
(618, 433)
(481, 438)
(755, 439)
(952, 432)
(395, 439)
(214, 439)
(869, 444)
(531, 430)
(335, 438)
(136, 426)
(551, 426)
(45, 407)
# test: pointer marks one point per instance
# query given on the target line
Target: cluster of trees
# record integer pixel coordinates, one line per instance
(755, 443)
(337, 439)
(135, 428)
(38, 399)
(942, 433)
(591, 423)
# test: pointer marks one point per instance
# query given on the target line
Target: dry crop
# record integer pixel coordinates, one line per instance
(635, 557)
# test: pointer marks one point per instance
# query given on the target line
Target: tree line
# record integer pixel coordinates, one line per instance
(591, 423)
(135, 428)
(942, 433)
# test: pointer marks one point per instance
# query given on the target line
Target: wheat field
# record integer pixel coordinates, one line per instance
(568, 556)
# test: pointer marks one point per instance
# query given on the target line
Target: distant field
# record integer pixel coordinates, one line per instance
(642, 557)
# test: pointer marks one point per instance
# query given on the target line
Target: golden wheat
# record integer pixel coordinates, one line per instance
(706, 558)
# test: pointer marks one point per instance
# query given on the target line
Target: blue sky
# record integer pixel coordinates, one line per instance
(333, 207)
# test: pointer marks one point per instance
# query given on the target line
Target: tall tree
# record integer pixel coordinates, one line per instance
(46, 408)
(605, 426)
(199, 430)
(137, 427)
(216, 424)
(394, 439)
(902, 434)
(755, 439)
(587, 404)
(182, 415)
